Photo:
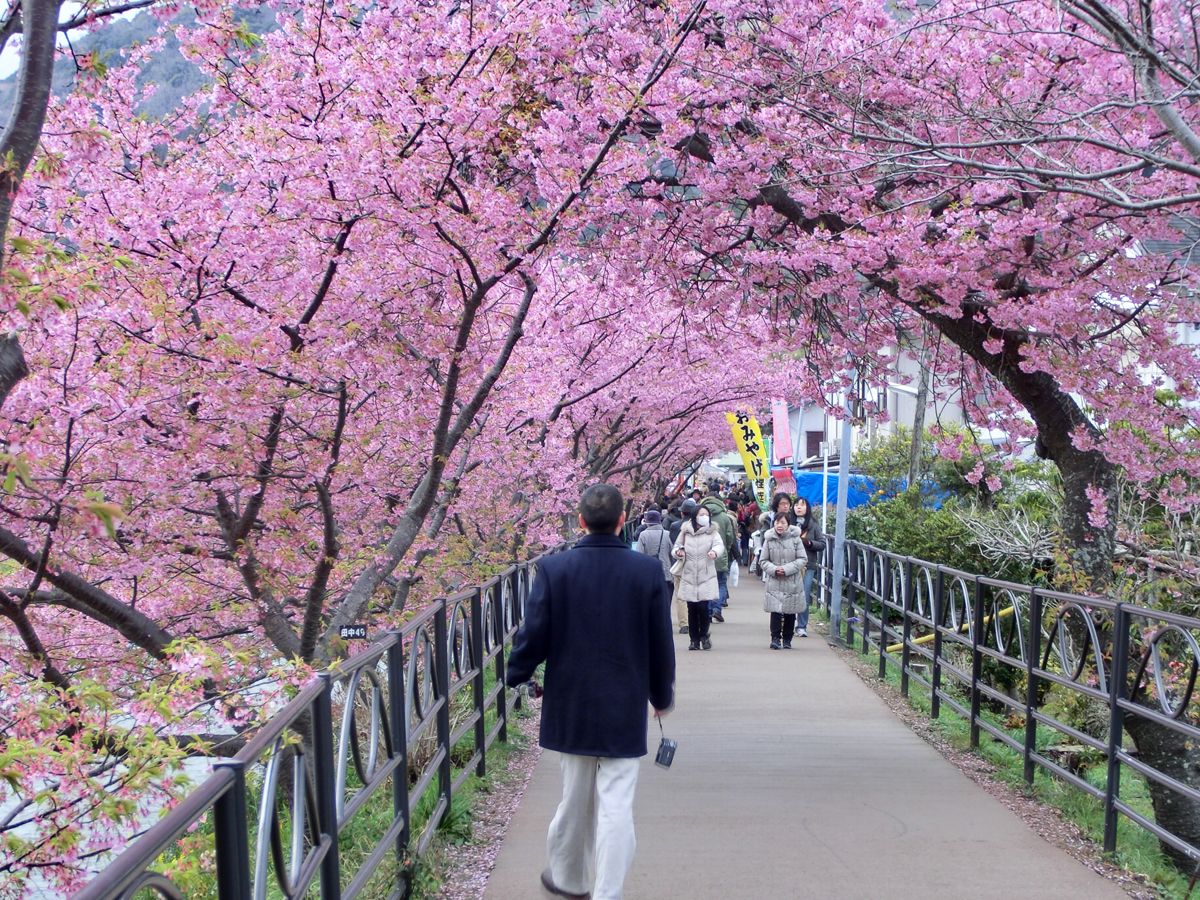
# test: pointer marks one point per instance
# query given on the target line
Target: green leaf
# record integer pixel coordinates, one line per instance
(108, 514)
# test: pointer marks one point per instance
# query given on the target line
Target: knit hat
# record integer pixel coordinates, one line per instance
(652, 517)
(689, 508)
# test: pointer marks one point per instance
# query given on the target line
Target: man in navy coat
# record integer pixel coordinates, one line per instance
(599, 616)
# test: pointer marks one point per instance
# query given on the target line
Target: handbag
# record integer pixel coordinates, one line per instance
(734, 574)
(677, 566)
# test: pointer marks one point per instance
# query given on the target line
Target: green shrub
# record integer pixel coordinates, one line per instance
(903, 525)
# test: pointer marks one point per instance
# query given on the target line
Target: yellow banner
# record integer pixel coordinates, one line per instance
(749, 442)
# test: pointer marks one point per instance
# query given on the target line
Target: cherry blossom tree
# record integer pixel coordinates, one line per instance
(1008, 173)
(408, 268)
(999, 171)
(279, 317)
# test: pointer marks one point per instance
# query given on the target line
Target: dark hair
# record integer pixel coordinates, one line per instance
(601, 506)
(778, 498)
(806, 522)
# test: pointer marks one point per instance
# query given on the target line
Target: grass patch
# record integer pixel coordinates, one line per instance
(191, 862)
(1137, 850)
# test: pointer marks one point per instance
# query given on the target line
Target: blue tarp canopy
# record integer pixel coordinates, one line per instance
(858, 492)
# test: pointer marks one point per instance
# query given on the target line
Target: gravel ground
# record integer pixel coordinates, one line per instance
(1045, 821)
(467, 867)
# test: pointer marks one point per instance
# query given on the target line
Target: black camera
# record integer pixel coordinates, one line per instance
(666, 753)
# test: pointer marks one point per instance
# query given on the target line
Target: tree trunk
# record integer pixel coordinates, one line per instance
(1089, 535)
(19, 141)
(1178, 756)
(918, 426)
(12, 363)
(1089, 538)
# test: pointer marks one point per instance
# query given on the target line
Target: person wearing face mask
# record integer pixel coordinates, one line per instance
(699, 546)
(783, 561)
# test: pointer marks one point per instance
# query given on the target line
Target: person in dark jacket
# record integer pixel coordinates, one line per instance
(813, 539)
(598, 615)
(726, 527)
(687, 510)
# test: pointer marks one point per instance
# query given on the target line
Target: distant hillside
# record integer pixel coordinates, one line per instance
(175, 76)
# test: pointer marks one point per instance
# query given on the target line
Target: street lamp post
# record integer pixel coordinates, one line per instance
(839, 543)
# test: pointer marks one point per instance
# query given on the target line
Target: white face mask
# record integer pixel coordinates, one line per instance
(702, 521)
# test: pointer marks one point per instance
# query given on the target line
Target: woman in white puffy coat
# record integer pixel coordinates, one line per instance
(698, 545)
(782, 562)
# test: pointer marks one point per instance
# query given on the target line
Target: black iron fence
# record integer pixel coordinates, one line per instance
(325, 798)
(946, 630)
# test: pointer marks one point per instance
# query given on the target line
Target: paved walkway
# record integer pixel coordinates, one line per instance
(792, 779)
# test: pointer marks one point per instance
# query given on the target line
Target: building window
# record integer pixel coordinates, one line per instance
(812, 442)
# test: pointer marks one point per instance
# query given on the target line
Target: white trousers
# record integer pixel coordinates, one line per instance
(590, 845)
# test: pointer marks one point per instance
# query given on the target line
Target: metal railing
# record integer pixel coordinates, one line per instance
(373, 737)
(941, 627)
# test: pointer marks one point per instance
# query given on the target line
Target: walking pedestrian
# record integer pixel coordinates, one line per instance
(656, 541)
(597, 616)
(756, 540)
(813, 539)
(747, 521)
(699, 546)
(781, 503)
(673, 520)
(685, 510)
(783, 561)
(727, 529)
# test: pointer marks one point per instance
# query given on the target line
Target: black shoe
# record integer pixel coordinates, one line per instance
(693, 646)
(717, 617)
(549, 885)
(774, 645)
(706, 644)
(683, 629)
(787, 645)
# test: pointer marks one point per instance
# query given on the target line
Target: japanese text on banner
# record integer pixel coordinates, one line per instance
(749, 442)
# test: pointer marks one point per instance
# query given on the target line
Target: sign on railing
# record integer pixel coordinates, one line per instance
(373, 740)
(940, 626)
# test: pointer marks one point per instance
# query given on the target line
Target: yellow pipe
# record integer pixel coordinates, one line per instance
(1007, 611)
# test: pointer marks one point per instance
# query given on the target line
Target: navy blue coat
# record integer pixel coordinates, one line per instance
(600, 617)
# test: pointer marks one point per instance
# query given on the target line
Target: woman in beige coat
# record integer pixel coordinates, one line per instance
(782, 562)
(698, 545)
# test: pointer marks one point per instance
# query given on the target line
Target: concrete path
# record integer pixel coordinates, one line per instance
(792, 779)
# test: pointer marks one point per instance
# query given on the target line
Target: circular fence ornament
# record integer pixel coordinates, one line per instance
(157, 883)
(304, 828)
(421, 676)
(458, 638)
(960, 606)
(1173, 658)
(378, 733)
(1073, 639)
